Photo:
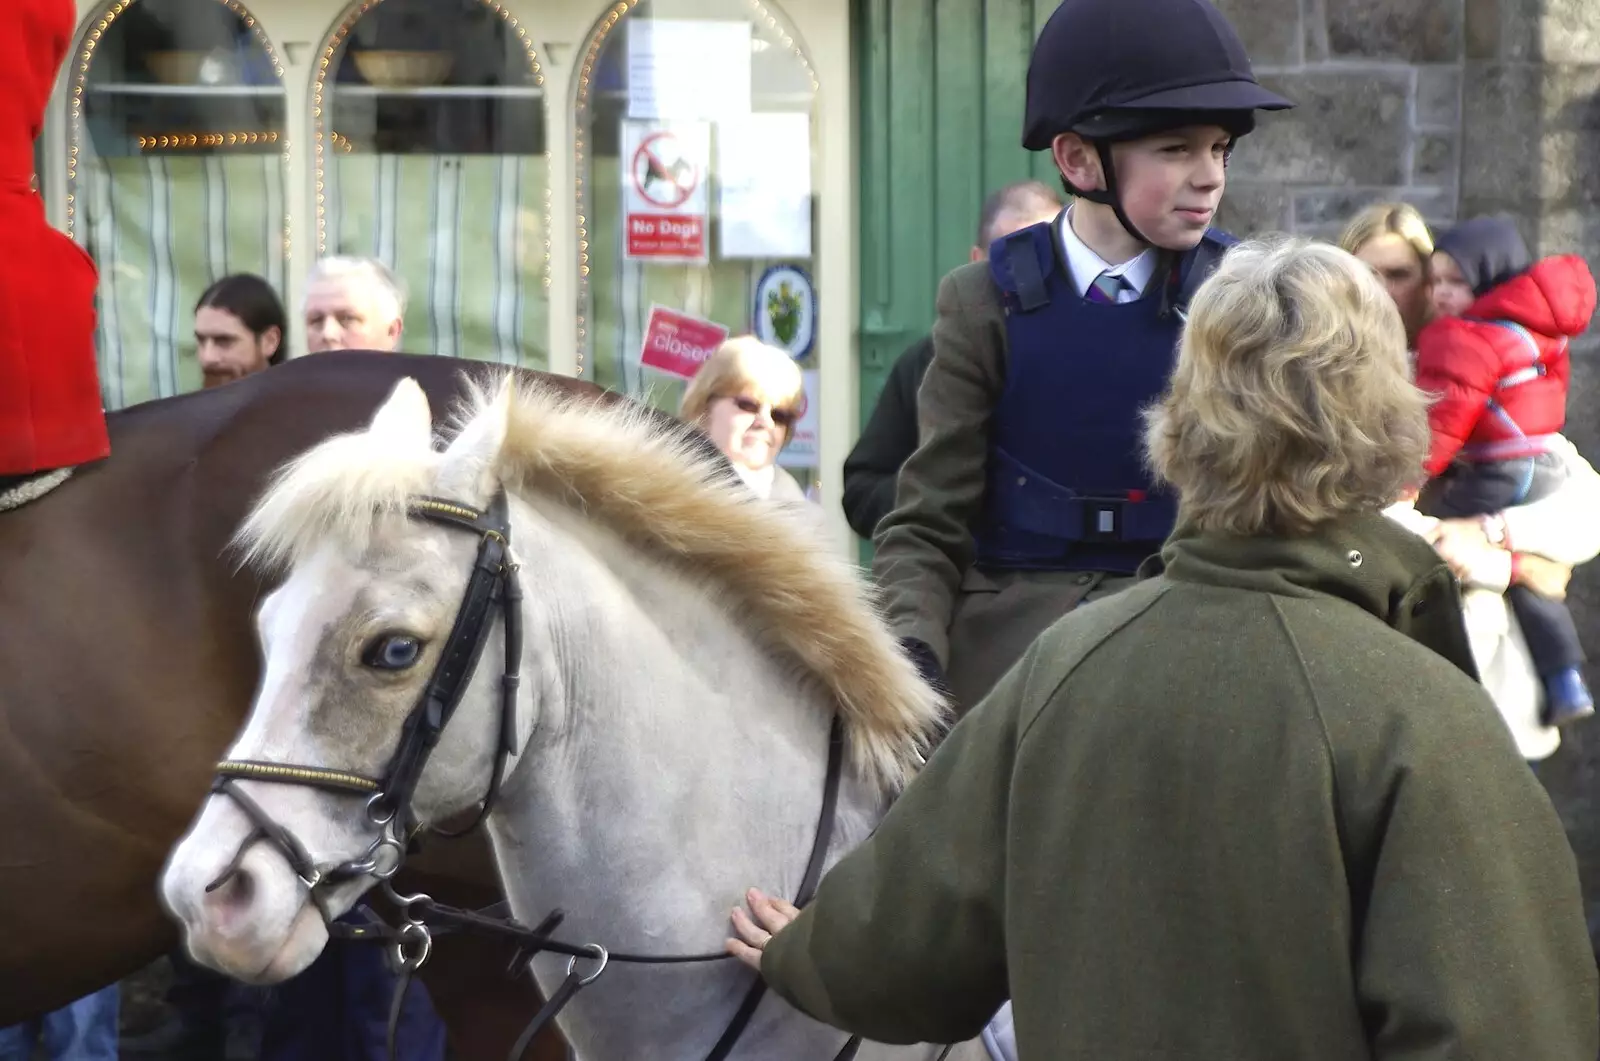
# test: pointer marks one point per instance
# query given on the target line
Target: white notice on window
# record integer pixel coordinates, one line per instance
(688, 70)
(763, 181)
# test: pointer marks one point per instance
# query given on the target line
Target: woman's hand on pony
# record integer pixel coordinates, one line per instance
(768, 916)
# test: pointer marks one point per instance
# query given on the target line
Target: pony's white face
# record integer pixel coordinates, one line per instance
(350, 640)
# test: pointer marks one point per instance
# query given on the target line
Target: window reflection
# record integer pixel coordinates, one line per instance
(725, 84)
(431, 156)
(175, 177)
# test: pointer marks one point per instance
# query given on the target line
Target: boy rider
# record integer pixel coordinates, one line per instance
(1027, 493)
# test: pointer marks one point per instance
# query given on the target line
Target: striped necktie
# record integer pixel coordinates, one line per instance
(1106, 287)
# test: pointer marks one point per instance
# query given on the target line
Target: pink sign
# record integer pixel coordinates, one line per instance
(678, 343)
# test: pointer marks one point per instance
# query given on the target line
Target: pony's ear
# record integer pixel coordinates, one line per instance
(404, 422)
(466, 473)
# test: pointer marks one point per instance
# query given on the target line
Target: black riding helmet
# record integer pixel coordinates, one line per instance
(1113, 70)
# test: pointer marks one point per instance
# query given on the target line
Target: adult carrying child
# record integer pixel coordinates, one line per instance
(1497, 359)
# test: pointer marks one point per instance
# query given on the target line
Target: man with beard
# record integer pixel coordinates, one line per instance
(240, 328)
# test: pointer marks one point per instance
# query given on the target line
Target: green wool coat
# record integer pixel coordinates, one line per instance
(1255, 808)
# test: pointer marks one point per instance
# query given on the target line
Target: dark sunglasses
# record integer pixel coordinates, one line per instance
(781, 417)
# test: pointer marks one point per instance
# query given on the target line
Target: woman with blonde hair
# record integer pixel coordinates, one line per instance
(1393, 239)
(747, 397)
(1264, 772)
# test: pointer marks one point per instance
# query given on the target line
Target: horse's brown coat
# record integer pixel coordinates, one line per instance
(128, 662)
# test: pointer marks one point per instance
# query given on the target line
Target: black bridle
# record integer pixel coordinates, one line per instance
(493, 586)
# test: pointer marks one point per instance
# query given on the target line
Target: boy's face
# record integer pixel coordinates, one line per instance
(1172, 184)
(1452, 295)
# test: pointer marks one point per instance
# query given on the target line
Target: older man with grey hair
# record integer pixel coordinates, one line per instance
(353, 304)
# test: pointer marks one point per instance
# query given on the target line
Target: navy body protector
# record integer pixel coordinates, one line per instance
(1067, 487)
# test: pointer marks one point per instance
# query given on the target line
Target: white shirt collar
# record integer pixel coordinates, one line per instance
(1085, 265)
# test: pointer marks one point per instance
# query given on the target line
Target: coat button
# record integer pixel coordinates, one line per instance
(1354, 557)
(1420, 607)
(1085, 579)
(1022, 480)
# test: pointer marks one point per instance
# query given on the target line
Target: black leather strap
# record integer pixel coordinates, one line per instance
(558, 1002)
(1022, 259)
(509, 599)
(459, 658)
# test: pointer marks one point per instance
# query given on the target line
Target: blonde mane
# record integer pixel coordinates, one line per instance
(644, 478)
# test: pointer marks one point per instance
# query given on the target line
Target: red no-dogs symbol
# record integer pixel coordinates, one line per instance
(662, 174)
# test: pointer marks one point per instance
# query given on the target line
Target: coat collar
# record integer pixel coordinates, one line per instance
(1369, 560)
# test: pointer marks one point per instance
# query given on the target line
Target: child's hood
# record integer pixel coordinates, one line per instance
(1555, 297)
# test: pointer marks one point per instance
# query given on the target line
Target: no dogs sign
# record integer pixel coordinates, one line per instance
(664, 190)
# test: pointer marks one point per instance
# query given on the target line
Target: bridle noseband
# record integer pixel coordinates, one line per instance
(493, 586)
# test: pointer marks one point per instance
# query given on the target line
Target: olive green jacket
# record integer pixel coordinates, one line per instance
(1255, 808)
(925, 544)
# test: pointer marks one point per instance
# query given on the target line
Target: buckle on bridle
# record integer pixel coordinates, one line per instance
(413, 947)
(599, 954)
(380, 799)
(370, 865)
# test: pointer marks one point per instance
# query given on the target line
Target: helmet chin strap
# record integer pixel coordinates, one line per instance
(1165, 259)
(1110, 197)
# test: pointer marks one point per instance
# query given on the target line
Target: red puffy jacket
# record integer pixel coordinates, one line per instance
(1499, 388)
(50, 408)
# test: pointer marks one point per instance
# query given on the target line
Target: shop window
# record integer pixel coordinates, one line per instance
(697, 164)
(175, 177)
(431, 156)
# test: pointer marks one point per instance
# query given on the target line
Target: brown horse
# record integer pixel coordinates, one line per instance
(128, 661)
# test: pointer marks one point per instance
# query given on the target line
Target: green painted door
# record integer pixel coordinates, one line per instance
(941, 91)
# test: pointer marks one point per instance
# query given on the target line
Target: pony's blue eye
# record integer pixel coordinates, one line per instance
(392, 652)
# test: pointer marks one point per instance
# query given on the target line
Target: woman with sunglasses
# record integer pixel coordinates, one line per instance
(746, 398)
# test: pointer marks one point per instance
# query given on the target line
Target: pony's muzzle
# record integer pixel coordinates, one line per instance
(251, 918)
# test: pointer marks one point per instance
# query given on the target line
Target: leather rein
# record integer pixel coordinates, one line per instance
(493, 587)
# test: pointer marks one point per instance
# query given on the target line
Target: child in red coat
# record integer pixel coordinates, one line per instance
(1496, 357)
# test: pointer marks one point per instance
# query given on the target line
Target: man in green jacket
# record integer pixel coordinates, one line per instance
(1254, 808)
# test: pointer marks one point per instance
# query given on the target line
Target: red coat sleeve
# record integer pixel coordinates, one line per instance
(1459, 369)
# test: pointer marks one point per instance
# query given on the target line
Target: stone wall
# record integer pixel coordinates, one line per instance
(1462, 107)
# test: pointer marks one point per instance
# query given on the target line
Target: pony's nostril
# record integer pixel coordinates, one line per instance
(233, 892)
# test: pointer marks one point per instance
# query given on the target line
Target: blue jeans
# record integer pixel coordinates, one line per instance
(85, 1030)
